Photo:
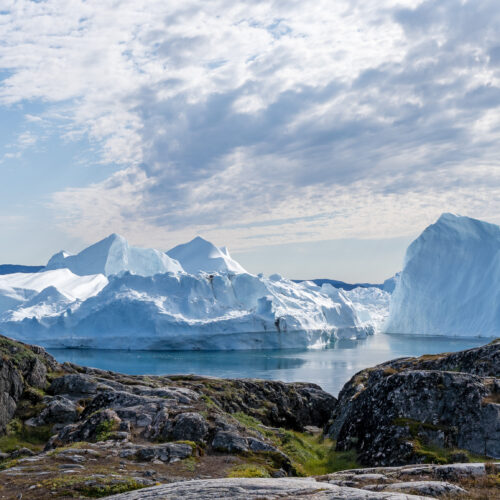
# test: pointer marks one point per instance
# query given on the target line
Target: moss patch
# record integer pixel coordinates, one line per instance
(310, 455)
(248, 470)
(315, 455)
(105, 429)
(91, 486)
(16, 353)
(19, 435)
(438, 455)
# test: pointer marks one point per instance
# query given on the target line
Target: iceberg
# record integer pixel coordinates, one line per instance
(199, 255)
(390, 284)
(450, 281)
(140, 309)
(114, 255)
(371, 305)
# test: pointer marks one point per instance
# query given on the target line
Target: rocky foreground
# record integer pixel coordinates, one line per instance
(75, 432)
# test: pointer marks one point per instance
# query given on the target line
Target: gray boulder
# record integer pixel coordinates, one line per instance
(77, 385)
(59, 410)
(99, 426)
(188, 427)
(230, 442)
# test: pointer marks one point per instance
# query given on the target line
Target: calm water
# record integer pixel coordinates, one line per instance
(330, 368)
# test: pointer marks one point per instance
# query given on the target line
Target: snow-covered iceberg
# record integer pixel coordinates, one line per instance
(200, 255)
(228, 309)
(450, 281)
(114, 255)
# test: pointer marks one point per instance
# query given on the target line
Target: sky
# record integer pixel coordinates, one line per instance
(315, 139)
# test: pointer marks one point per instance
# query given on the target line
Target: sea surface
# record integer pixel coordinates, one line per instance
(330, 368)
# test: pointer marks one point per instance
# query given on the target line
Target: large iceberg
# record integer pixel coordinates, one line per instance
(450, 281)
(114, 255)
(225, 309)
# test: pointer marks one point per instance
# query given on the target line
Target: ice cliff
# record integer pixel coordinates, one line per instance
(450, 281)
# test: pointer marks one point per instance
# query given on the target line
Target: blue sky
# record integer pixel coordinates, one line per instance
(315, 139)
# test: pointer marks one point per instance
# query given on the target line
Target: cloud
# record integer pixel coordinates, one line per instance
(265, 122)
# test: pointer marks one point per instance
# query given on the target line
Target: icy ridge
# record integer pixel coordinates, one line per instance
(114, 255)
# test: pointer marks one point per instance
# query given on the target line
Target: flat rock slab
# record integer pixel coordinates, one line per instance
(432, 488)
(439, 472)
(250, 488)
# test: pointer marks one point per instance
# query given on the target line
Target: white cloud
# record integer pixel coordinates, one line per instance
(264, 122)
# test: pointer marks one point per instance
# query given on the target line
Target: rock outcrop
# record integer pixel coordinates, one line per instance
(159, 420)
(415, 410)
(20, 367)
(258, 489)
(73, 431)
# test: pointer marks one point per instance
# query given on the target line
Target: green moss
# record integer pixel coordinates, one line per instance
(209, 401)
(19, 435)
(248, 470)
(315, 455)
(430, 454)
(16, 353)
(8, 464)
(105, 429)
(105, 490)
(193, 445)
(438, 455)
(33, 394)
(27, 409)
(91, 486)
(255, 424)
(310, 455)
(190, 464)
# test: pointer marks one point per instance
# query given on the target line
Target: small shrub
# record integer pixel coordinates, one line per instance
(105, 429)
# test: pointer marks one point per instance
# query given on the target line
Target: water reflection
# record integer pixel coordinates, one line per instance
(330, 368)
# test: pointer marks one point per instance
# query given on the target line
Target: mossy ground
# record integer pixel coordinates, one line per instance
(310, 454)
(104, 473)
(438, 455)
(15, 352)
(22, 436)
(248, 470)
(90, 486)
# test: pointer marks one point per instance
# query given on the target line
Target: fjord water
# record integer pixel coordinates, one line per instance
(330, 368)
